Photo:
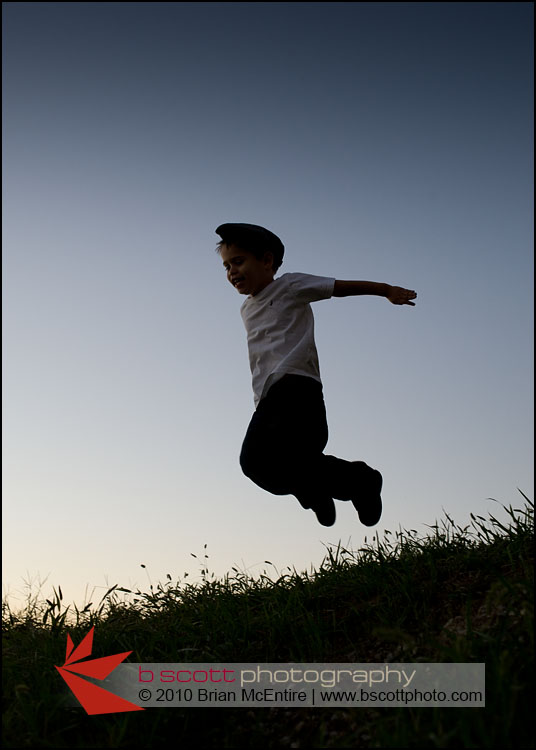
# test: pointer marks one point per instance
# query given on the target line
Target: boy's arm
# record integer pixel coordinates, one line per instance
(395, 294)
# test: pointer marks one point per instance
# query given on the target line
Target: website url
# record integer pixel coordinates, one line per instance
(401, 696)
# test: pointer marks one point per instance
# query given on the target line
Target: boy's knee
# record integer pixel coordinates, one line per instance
(252, 463)
(268, 477)
(246, 463)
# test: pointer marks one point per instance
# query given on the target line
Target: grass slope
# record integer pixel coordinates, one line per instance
(457, 595)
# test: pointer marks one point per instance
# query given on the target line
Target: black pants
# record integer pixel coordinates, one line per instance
(283, 448)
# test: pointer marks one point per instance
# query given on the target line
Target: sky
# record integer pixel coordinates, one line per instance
(388, 142)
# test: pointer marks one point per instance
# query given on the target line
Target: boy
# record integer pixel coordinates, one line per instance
(283, 448)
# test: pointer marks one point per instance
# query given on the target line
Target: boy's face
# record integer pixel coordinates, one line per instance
(248, 274)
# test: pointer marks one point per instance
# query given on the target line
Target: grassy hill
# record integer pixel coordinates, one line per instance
(456, 595)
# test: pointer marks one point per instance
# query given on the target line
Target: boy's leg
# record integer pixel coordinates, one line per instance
(358, 482)
(282, 450)
(283, 453)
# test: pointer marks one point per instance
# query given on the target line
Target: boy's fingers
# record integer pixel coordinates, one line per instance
(403, 297)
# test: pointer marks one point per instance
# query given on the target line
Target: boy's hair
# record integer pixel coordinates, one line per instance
(256, 240)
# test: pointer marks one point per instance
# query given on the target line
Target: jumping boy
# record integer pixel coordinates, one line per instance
(283, 448)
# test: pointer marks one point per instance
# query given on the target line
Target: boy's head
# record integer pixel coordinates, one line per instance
(251, 255)
(254, 239)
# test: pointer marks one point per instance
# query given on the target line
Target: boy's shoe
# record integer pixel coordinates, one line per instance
(323, 507)
(367, 498)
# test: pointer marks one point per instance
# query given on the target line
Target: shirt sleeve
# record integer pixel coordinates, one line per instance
(309, 288)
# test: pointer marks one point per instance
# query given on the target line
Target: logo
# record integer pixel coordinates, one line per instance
(94, 699)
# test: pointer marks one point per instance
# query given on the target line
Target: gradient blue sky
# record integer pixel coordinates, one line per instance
(382, 141)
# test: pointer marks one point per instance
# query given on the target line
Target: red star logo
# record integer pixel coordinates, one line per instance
(94, 699)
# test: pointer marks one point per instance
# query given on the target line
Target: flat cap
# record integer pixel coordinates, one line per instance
(263, 238)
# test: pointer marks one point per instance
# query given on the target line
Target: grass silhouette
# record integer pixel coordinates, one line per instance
(458, 594)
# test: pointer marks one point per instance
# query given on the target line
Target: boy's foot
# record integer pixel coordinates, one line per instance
(367, 498)
(324, 509)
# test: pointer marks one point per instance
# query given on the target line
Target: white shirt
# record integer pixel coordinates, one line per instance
(280, 329)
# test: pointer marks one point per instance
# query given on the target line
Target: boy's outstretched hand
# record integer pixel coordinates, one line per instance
(400, 296)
